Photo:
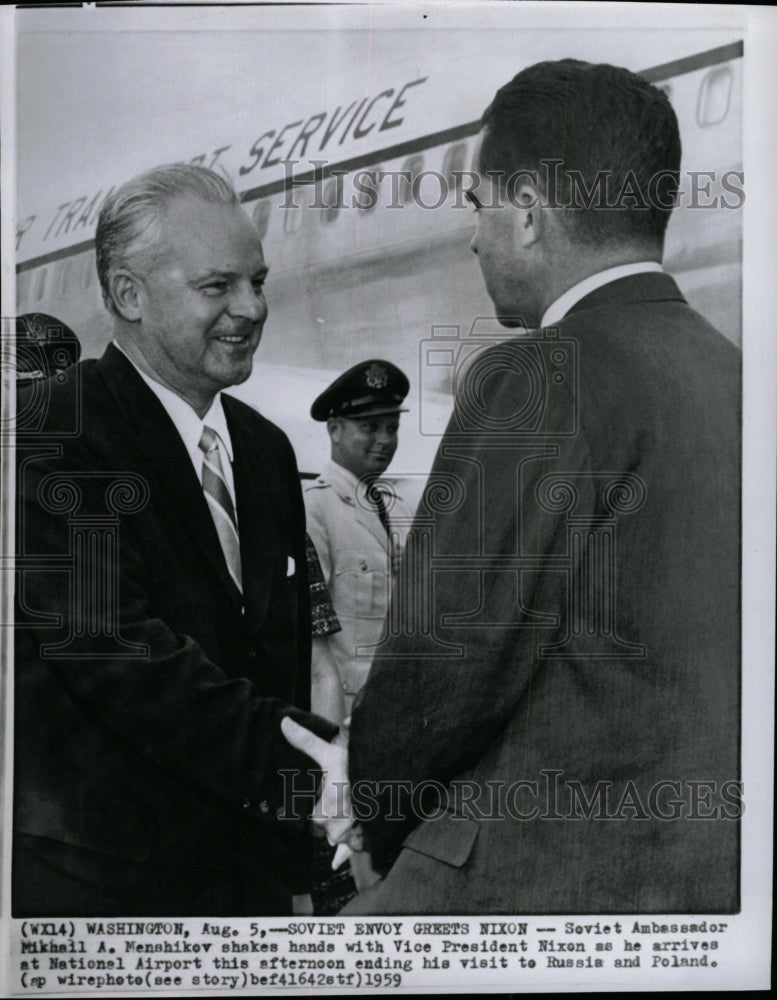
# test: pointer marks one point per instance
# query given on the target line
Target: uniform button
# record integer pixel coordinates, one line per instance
(363, 564)
(251, 654)
(264, 807)
(246, 803)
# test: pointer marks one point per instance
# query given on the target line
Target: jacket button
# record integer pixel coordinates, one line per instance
(264, 808)
(246, 803)
(363, 564)
(251, 654)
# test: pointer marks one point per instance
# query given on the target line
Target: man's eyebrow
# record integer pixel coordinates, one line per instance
(227, 275)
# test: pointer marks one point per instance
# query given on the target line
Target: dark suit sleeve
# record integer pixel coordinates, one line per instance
(152, 692)
(428, 717)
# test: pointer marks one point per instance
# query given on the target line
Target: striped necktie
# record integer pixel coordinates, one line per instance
(220, 502)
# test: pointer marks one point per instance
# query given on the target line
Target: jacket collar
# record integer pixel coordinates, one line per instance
(558, 309)
(645, 287)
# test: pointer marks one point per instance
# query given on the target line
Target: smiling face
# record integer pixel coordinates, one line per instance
(364, 445)
(201, 303)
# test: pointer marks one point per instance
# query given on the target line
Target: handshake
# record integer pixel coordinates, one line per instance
(333, 810)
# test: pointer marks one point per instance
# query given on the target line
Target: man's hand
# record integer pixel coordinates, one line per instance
(333, 808)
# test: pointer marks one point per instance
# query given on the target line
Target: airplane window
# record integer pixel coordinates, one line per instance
(87, 270)
(453, 165)
(367, 191)
(413, 165)
(294, 204)
(22, 289)
(292, 219)
(64, 269)
(714, 96)
(333, 199)
(261, 217)
(40, 285)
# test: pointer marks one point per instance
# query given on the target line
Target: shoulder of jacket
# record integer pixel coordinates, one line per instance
(320, 483)
(323, 491)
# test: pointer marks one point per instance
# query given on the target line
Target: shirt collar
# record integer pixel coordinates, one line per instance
(188, 424)
(338, 475)
(557, 310)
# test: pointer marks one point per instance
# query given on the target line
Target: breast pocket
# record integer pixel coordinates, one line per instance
(360, 585)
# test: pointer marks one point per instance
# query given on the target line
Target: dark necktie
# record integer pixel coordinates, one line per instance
(376, 498)
(220, 503)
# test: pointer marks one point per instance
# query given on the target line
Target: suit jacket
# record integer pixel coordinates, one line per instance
(571, 730)
(352, 547)
(148, 702)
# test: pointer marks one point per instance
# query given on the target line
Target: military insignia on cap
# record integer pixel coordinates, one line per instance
(371, 388)
(376, 376)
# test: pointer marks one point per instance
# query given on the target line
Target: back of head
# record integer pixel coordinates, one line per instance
(604, 142)
(129, 225)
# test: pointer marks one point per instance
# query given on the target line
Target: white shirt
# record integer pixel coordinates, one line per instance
(189, 425)
(557, 310)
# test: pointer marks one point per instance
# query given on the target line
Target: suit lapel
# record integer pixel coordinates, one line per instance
(155, 436)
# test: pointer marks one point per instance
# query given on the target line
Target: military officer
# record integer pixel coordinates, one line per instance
(356, 520)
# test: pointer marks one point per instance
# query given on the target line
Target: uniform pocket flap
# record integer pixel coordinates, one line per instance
(448, 839)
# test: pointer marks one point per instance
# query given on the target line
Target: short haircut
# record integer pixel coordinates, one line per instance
(582, 126)
(129, 230)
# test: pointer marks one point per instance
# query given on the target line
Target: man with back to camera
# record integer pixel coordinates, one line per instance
(147, 723)
(358, 525)
(584, 729)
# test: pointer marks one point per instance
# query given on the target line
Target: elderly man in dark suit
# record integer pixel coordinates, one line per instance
(568, 741)
(163, 625)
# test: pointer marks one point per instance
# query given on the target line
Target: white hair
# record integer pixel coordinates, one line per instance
(129, 229)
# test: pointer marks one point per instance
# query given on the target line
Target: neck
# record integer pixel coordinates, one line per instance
(200, 402)
(579, 262)
(366, 478)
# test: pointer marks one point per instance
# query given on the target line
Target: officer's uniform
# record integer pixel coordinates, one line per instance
(358, 554)
(352, 546)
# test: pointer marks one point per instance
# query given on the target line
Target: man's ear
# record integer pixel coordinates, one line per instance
(529, 215)
(124, 289)
(334, 426)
